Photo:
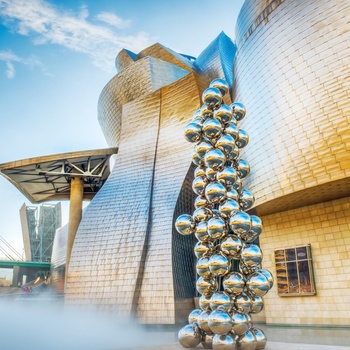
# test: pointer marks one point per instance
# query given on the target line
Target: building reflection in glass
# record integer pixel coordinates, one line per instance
(294, 271)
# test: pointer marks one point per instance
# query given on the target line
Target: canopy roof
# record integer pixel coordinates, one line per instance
(48, 178)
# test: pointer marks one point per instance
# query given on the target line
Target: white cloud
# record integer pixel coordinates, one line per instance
(10, 71)
(9, 58)
(112, 19)
(48, 24)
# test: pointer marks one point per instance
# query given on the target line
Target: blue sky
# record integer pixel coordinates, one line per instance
(55, 58)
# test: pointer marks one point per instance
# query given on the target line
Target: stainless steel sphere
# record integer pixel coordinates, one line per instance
(214, 159)
(224, 342)
(248, 237)
(232, 130)
(245, 269)
(211, 174)
(198, 185)
(189, 337)
(199, 171)
(202, 249)
(233, 194)
(207, 340)
(243, 139)
(204, 302)
(238, 110)
(243, 303)
(249, 320)
(231, 246)
(246, 199)
(206, 286)
(196, 159)
(227, 176)
(215, 192)
(219, 265)
(201, 232)
(234, 154)
(223, 114)
(193, 316)
(246, 341)
(238, 184)
(260, 337)
(220, 321)
(243, 169)
(202, 214)
(256, 224)
(251, 255)
(200, 202)
(268, 275)
(202, 268)
(239, 323)
(206, 112)
(234, 283)
(240, 222)
(197, 115)
(192, 132)
(220, 84)
(212, 129)
(203, 321)
(212, 97)
(221, 299)
(185, 224)
(202, 148)
(257, 305)
(228, 208)
(216, 228)
(257, 284)
(226, 144)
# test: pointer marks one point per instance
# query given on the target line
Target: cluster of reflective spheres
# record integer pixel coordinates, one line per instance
(224, 230)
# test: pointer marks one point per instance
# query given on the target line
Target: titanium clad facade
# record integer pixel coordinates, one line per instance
(295, 80)
(292, 71)
(127, 255)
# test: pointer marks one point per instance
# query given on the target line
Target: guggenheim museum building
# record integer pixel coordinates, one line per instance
(289, 65)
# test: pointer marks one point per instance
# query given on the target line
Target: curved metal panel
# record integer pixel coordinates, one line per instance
(297, 92)
(142, 77)
(158, 294)
(216, 61)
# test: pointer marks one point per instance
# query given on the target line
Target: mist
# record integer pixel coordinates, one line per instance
(36, 325)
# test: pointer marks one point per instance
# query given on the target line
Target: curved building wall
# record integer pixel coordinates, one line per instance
(122, 255)
(127, 256)
(142, 77)
(292, 72)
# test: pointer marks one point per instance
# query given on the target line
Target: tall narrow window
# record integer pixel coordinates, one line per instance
(294, 271)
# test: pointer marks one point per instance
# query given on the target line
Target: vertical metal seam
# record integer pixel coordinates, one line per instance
(141, 270)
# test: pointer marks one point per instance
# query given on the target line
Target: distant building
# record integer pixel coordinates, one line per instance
(39, 225)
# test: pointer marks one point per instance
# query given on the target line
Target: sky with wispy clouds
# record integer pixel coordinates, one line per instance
(55, 58)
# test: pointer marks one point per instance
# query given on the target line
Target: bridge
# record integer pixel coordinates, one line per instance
(10, 264)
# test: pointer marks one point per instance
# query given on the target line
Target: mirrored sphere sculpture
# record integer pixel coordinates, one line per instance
(189, 337)
(225, 231)
(207, 340)
(219, 321)
(246, 341)
(260, 338)
(224, 342)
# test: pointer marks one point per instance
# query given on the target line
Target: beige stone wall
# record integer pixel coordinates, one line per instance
(326, 227)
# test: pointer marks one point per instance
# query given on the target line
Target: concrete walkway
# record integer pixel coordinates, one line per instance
(279, 338)
(269, 346)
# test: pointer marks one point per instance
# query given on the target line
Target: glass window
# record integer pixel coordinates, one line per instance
(294, 271)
